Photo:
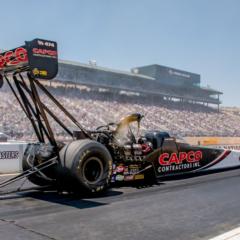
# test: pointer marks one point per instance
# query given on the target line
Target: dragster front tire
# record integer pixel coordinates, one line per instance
(86, 166)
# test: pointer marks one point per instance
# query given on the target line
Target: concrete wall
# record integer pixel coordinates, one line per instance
(213, 140)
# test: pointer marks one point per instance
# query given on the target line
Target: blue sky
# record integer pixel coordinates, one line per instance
(201, 36)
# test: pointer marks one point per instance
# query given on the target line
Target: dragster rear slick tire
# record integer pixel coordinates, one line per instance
(85, 167)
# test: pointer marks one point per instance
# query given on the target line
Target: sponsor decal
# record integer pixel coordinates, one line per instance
(128, 178)
(126, 169)
(174, 158)
(13, 58)
(9, 155)
(120, 169)
(113, 179)
(139, 176)
(119, 178)
(179, 167)
(181, 161)
(180, 74)
(37, 72)
(44, 52)
(45, 43)
(133, 169)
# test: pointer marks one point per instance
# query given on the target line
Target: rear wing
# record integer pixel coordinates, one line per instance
(39, 57)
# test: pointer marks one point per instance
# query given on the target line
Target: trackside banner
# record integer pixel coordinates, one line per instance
(39, 56)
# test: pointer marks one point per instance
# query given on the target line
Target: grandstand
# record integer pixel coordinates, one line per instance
(93, 109)
(153, 81)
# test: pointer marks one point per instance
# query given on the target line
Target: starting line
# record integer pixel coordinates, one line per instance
(231, 235)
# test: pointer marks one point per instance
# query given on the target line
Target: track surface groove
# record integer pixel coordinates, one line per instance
(193, 208)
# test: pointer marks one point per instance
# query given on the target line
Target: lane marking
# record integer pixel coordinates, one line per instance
(231, 235)
(8, 174)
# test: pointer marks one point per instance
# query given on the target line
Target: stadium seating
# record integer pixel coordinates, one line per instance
(94, 109)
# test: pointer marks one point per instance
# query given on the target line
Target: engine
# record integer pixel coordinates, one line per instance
(129, 161)
(127, 148)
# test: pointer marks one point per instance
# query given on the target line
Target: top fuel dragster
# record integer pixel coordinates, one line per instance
(94, 158)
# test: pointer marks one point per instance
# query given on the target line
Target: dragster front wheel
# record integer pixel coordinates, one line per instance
(86, 165)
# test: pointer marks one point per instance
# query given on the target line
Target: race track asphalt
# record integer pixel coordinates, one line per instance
(184, 209)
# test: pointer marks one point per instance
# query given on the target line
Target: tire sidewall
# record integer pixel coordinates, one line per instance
(79, 162)
(75, 155)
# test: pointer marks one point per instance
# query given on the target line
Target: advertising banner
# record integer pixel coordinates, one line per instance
(11, 157)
